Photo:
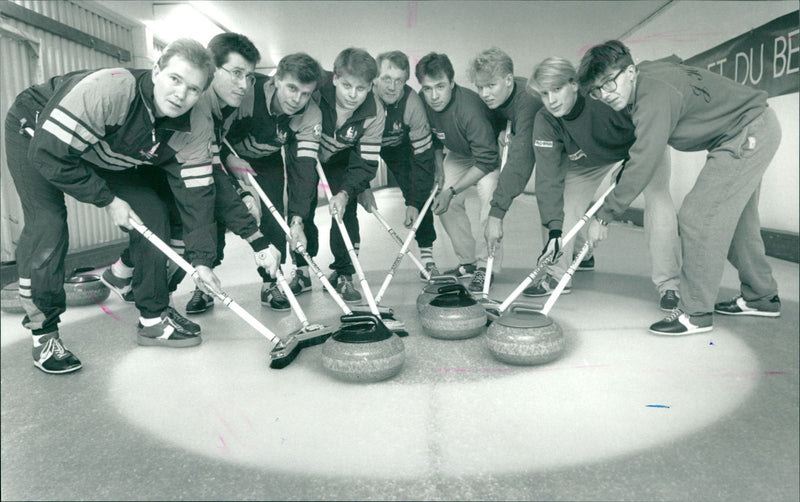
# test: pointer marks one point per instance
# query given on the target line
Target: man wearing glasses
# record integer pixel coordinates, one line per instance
(276, 114)
(692, 109)
(578, 141)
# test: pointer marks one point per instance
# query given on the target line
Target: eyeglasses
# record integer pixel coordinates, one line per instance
(609, 85)
(239, 74)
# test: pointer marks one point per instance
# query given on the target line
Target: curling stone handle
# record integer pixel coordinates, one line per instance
(360, 318)
(526, 308)
(451, 288)
(443, 279)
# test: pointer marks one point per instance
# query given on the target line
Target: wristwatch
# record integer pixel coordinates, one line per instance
(601, 220)
(452, 191)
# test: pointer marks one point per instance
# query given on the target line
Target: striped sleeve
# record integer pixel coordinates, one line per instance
(422, 170)
(75, 120)
(359, 174)
(301, 161)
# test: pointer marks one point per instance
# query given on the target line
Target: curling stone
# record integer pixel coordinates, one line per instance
(363, 350)
(9, 302)
(453, 314)
(431, 289)
(85, 289)
(524, 336)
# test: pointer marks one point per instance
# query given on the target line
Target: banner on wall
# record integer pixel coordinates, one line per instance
(765, 57)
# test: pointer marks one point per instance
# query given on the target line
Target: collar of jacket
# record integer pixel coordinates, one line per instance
(365, 110)
(180, 123)
(507, 103)
(577, 108)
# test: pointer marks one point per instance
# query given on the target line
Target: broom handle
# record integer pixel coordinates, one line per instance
(405, 246)
(487, 282)
(399, 240)
(565, 279)
(226, 300)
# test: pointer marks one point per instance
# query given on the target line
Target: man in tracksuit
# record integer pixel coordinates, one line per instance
(460, 122)
(578, 141)
(407, 148)
(353, 121)
(92, 131)
(278, 114)
(492, 72)
(235, 58)
(692, 109)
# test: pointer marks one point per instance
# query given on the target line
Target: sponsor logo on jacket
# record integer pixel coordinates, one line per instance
(540, 143)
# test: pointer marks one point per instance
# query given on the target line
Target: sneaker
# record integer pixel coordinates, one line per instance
(345, 288)
(669, 300)
(200, 302)
(119, 285)
(167, 333)
(476, 284)
(586, 265)
(740, 306)
(300, 283)
(273, 297)
(678, 323)
(432, 270)
(463, 271)
(186, 326)
(545, 287)
(51, 356)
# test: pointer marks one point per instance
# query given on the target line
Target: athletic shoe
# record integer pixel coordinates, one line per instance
(300, 283)
(344, 286)
(273, 297)
(678, 323)
(167, 333)
(432, 270)
(740, 306)
(463, 271)
(669, 300)
(185, 326)
(476, 284)
(586, 265)
(119, 285)
(545, 287)
(50, 355)
(200, 302)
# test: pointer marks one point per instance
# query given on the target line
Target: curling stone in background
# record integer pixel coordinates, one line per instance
(523, 336)
(9, 302)
(363, 350)
(431, 289)
(84, 289)
(452, 314)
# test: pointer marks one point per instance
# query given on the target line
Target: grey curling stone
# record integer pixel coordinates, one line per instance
(363, 352)
(523, 336)
(453, 314)
(85, 290)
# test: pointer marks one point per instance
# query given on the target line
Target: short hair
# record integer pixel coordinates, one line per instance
(193, 52)
(434, 65)
(355, 61)
(397, 58)
(491, 62)
(611, 55)
(225, 43)
(551, 73)
(300, 66)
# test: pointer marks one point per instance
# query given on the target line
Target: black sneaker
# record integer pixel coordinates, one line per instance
(186, 326)
(476, 284)
(344, 286)
(669, 300)
(761, 308)
(50, 355)
(678, 323)
(432, 270)
(273, 297)
(586, 265)
(167, 333)
(545, 287)
(463, 271)
(300, 283)
(119, 285)
(199, 302)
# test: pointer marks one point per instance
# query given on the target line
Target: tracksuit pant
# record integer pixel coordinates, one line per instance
(399, 161)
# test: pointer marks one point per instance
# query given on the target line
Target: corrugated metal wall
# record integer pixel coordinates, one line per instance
(88, 226)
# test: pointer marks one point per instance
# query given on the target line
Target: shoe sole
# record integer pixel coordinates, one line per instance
(68, 370)
(586, 269)
(753, 314)
(695, 331)
(193, 312)
(146, 341)
(116, 290)
(663, 309)
(357, 300)
(565, 292)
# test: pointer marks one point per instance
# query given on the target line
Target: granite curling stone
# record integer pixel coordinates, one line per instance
(431, 289)
(453, 314)
(363, 351)
(523, 336)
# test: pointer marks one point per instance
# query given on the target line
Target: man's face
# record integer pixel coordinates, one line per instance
(291, 94)
(494, 90)
(177, 87)
(615, 87)
(351, 91)
(437, 91)
(390, 82)
(559, 100)
(232, 79)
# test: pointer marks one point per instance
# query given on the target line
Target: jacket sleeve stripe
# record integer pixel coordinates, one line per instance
(106, 155)
(65, 136)
(73, 125)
